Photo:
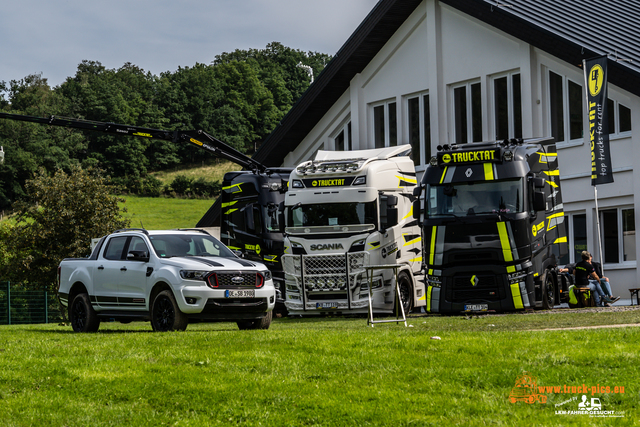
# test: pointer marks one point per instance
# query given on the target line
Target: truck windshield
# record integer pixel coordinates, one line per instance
(180, 245)
(331, 214)
(474, 198)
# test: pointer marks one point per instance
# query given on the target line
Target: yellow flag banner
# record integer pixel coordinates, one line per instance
(595, 75)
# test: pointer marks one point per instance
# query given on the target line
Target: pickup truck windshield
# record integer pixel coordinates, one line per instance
(180, 245)
(461, 199)
(329, 214)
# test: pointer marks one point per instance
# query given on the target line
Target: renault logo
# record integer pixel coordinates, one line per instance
(474, 280)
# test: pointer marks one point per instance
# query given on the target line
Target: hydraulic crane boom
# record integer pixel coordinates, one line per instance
(198, 138)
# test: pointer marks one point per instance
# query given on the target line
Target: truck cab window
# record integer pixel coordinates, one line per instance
(502, 197)
(115, 247)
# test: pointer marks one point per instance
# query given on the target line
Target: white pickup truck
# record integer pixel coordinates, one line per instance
(167, 277)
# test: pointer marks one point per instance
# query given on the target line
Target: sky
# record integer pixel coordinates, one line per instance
(52, 37)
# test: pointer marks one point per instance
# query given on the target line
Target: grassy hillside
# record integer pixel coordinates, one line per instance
(159, 213)
(211, 172)
(322, 372)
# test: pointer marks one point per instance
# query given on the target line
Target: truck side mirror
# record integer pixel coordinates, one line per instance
(248, 219)
(392, 217)
(417, 191)
(416, 209)
(539, 203)
(392, 200)
(281, 221)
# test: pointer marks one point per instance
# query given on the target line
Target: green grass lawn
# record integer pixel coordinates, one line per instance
(327, 371)
(160, 213)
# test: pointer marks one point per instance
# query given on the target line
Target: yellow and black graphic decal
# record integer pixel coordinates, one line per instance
(469, 157)
(328, 182)
(436, 245)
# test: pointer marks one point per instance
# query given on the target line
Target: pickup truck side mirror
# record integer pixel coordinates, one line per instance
(138, 256)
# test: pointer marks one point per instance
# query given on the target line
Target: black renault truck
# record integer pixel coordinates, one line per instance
(493, 228)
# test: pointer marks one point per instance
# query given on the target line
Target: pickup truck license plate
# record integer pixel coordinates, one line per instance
(476, 307)
(246, 293)
(320, 305)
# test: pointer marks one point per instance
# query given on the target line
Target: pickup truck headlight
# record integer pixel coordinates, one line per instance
(266, 274)
(193, 274)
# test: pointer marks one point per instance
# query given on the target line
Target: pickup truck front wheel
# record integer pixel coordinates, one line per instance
(82, 315)
(165, 314)
(263, 323)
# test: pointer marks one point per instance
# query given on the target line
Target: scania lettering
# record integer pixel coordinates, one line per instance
(346, 211)
(493, 228)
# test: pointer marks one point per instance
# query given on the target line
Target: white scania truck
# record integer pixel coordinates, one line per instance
(347, 210)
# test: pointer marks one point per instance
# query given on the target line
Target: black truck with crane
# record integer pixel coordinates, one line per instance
(249, 202)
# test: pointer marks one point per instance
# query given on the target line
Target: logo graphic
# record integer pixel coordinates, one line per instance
(585, 405)
(596, 77)
(474, 280)
(237, 280)
(314, 183)
(526, 390)
(446, 158)
(468, 173)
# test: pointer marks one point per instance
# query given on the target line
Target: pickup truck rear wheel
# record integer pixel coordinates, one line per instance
(166, 315)
(263, 323)
(82, 315)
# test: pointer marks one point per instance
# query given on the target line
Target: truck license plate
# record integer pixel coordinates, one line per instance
(320, 305)
(476, 307)
(248, 293)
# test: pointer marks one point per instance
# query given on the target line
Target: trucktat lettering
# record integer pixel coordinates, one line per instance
(166, 277)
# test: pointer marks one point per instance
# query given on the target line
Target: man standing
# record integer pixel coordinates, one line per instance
(586, 277)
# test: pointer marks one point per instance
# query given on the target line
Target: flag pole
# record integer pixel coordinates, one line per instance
(600, 254)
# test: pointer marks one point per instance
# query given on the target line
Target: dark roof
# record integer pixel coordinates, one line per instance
(561, 28)
(558, 27)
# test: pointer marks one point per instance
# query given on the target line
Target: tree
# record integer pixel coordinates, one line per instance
(63, 213)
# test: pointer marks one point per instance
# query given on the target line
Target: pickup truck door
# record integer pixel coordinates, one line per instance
(132, 284)
(107, 273)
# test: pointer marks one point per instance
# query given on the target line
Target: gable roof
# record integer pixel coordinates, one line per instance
(556, 27)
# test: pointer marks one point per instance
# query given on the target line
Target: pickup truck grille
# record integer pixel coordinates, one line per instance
(235, 279)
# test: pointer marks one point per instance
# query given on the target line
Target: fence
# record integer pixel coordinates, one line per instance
(23, 306)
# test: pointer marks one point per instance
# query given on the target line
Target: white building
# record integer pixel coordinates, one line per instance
(429, 72)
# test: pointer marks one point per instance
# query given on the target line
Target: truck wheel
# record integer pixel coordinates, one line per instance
(548, 292)
(165, 314)
(406, 292)
(82, 315)
(263, 323)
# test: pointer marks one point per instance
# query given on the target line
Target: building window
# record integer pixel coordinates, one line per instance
(419, 128)
(618, 235)
(507, 107)
(565, 107)
(342, 139)
(467, 113)
(577, 227)
(619, 117)
(385, 128)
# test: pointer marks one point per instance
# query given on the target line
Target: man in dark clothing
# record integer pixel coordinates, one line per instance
(586, 277)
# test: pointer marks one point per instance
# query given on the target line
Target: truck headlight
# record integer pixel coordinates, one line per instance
(193, 274)
(266, 274)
